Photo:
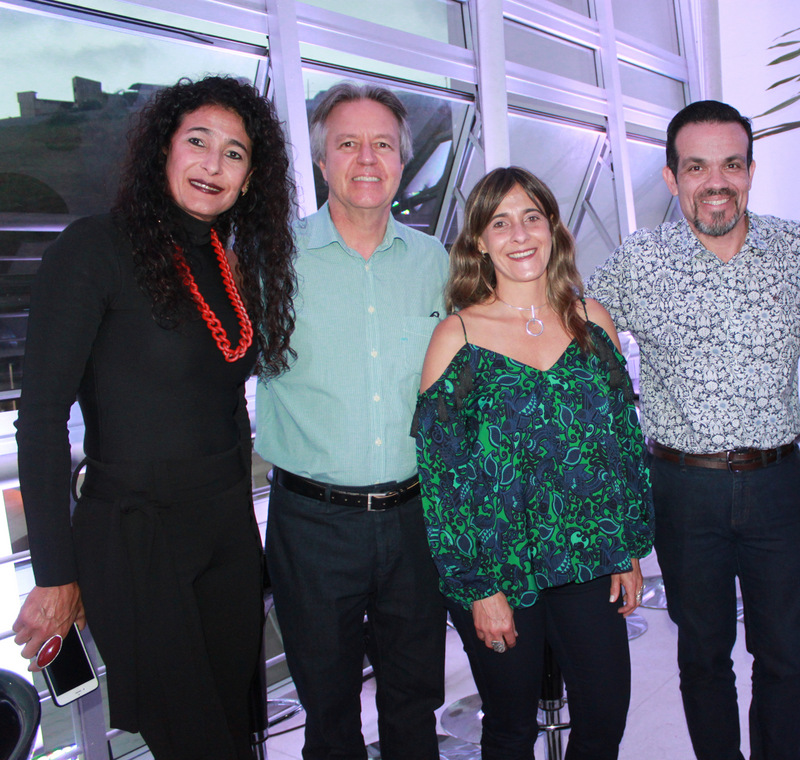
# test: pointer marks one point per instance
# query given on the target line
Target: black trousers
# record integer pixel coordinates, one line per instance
(713, 526)
(329, 566)
(589, 639)
(173, 593)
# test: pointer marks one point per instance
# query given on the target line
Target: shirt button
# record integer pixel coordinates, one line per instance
(373, 353)
(366, 267)
(371, 309)
(376, 397)
(378, 442)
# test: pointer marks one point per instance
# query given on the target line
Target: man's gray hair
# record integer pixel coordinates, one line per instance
(348, 92)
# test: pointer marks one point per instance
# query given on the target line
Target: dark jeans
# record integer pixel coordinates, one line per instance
(711, 526)
(590, 642)
(329, 566)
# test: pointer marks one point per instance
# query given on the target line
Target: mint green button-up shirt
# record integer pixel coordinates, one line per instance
(342, 413)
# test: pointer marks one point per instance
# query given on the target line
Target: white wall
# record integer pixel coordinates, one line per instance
(747, 29)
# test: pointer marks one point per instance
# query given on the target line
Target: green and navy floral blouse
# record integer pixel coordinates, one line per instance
(531, 478)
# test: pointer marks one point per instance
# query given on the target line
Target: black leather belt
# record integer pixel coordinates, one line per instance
(373, 501)
(734, 460)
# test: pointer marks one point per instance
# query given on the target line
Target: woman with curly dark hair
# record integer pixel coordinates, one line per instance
(154, 325)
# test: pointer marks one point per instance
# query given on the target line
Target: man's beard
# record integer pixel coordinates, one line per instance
(718, 226)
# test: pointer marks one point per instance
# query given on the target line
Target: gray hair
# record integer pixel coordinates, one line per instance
(348, 92)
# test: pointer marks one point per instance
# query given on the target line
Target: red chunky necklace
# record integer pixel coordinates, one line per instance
(220, 336)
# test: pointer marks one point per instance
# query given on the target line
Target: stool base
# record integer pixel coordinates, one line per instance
(450, 748)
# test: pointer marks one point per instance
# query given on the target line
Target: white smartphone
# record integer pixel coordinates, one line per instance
(71, 674)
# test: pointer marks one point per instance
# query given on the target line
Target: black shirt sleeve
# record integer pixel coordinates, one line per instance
(76, 281)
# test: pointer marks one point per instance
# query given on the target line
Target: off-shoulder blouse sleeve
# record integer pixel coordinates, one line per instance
(636, 503)
(447, 475)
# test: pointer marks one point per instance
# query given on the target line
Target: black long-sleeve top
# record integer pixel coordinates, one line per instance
(146, 392)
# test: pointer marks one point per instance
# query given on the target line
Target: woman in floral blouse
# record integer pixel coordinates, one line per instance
(536, 497)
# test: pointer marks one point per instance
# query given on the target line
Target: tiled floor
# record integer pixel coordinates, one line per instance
(656, 729)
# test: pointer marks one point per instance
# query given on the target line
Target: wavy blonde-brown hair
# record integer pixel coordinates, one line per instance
(472, 276)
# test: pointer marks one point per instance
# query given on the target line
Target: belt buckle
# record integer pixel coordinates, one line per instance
(731, 465)
(370, 496)
(385, 495)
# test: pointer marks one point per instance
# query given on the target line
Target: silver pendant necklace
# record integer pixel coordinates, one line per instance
(537, 323)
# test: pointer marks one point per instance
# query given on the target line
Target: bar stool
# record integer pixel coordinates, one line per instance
(463, 718)
(552, 701)
(266, 712)
(19, 716)
(450, 748)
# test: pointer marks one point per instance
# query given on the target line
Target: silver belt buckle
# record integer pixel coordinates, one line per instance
(369, 502)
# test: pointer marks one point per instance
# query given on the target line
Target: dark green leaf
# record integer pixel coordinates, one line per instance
(776, 130)
(787, 57)
(782, 105)
(783, 81)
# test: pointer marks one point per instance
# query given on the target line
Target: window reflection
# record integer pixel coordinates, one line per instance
(657, 25)
(436, 19)
(650, 194)
(546, 52)
(557, 153)
(651, 87)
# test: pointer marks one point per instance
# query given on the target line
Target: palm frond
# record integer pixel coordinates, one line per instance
(784, 81)
(783, 42)
(776, 130)
(781, 105)
(784, 58)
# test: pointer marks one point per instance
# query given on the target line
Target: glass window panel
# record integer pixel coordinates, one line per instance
(650, 194)
(178, 20)
(436, 19)
(546, 52)
(20, 254)
(435, 122)
(579, 6)
(64, 117)
(653, 21)
(558, 154)
(119, 61)
(593, 248)
(651, 87)
(358, 63)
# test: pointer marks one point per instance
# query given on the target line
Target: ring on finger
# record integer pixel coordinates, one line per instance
(499, 646)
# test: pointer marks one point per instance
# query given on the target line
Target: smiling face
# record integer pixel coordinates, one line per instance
(208, 162)
(362, 157)
(518, 238)
(713, 179)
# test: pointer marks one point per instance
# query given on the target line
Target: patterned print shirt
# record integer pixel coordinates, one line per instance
(719, 342)
(531, 479)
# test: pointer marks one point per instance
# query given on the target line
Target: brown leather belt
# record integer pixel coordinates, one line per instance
(734, 460)
(382, 498)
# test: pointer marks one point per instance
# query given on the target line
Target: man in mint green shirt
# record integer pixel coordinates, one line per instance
(345, 536)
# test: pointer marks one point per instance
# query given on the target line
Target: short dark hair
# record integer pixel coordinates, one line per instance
(349, 92)
(705, 112)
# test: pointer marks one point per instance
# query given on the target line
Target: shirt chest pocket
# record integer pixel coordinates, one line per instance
(415, 335)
